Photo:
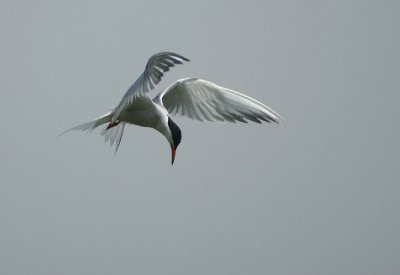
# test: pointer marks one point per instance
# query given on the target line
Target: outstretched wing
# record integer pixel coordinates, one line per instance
(157, 65)
(206, 101)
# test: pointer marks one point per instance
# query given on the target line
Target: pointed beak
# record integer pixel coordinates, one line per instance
(173, 152)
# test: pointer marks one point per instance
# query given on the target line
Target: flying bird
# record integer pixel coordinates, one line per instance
(191, 97)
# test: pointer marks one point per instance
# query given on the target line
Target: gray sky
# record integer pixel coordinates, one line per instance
(316, 195)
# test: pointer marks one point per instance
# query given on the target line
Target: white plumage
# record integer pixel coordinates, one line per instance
(206, 101)
(191, 97)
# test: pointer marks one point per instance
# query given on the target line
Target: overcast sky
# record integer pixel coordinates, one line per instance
(318, 194)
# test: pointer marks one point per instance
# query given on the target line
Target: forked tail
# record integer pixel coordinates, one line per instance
(112, 132)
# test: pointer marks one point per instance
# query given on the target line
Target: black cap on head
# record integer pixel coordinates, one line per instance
(175, 131)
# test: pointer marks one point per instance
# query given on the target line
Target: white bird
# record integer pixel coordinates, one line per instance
(192, 97)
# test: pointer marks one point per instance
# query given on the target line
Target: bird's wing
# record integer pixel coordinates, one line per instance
(157, 65)
(206, 101)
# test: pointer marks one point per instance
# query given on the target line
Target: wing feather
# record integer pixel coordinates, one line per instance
(203, 100)
(156, 66)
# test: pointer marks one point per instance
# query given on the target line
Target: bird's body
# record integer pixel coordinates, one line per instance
(143, 112)
(192, 97)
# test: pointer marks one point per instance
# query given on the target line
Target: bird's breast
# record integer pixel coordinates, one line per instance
(145, 117)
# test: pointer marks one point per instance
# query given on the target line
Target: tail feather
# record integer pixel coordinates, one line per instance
(91, 125)
(111, 135)
(114, 135)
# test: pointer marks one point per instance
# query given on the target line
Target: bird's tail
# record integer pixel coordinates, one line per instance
(112, 133)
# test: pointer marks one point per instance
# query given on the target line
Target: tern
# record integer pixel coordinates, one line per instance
(191, 97)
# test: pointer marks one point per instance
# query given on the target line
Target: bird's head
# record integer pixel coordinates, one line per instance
(176, 137)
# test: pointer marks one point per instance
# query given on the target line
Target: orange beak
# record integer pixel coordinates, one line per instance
(173, 152)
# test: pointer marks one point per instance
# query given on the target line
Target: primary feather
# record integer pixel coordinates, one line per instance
(206, 101)
(157, 65)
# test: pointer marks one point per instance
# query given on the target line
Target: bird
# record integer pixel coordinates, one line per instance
(192, 97)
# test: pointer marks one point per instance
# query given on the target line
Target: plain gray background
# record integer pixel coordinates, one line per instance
(318, 194)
